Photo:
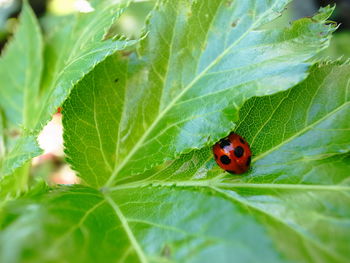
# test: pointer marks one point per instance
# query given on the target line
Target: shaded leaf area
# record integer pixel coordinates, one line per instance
(277, 224)
(188, 210)
(89, 117)
(13, 186)
(37, 78)
(300, 129)
(184, 89)
(183, 223)
(67, 224)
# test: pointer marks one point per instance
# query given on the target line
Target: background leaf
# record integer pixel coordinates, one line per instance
(20, 73)
(20, 70)
(55, 229)
(72, 49)
(339, 48)
(185, 89)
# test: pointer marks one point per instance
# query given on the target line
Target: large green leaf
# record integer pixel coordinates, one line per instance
(292, 206)
(158, 226)
(20, 72)
(32, 89)
(199, 63)
(316, 126)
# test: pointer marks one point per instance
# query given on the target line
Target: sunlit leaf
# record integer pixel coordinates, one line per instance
(186, 86)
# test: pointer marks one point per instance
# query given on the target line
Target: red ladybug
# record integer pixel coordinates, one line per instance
(233, 154)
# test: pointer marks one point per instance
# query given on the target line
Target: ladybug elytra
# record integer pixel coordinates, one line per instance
(233, 154)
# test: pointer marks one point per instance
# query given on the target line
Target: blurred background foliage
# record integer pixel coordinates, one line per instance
(51, 165)
(132, 21)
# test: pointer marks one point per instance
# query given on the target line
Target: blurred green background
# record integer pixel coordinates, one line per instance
(133, 19)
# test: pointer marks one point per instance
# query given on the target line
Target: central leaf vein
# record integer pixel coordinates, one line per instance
(127, 229)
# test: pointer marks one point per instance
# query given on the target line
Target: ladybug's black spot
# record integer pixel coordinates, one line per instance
(225, 159)
(224, 142)
(239, 151)
(241, 140)
(231, 171)
(249, 160)
(215, 156)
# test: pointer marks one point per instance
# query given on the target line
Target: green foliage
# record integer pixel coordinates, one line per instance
(139, 126)
(188, 210)
(20, 73)
(37, 78)
(339, 47)
(181, 92)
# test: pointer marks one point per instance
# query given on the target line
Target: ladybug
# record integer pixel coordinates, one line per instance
(233, 154)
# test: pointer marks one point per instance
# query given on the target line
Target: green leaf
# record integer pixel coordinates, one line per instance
(299, 183)
(188, 221)
(63, 225)
(199, 63)
(291, 207)
(72, 49)
(315, 126)
(339, 47)
(20, 70)
(300, 136)
(25, 149)
(298, 189)
(188, 210)
(55, 229)
(13, 186)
